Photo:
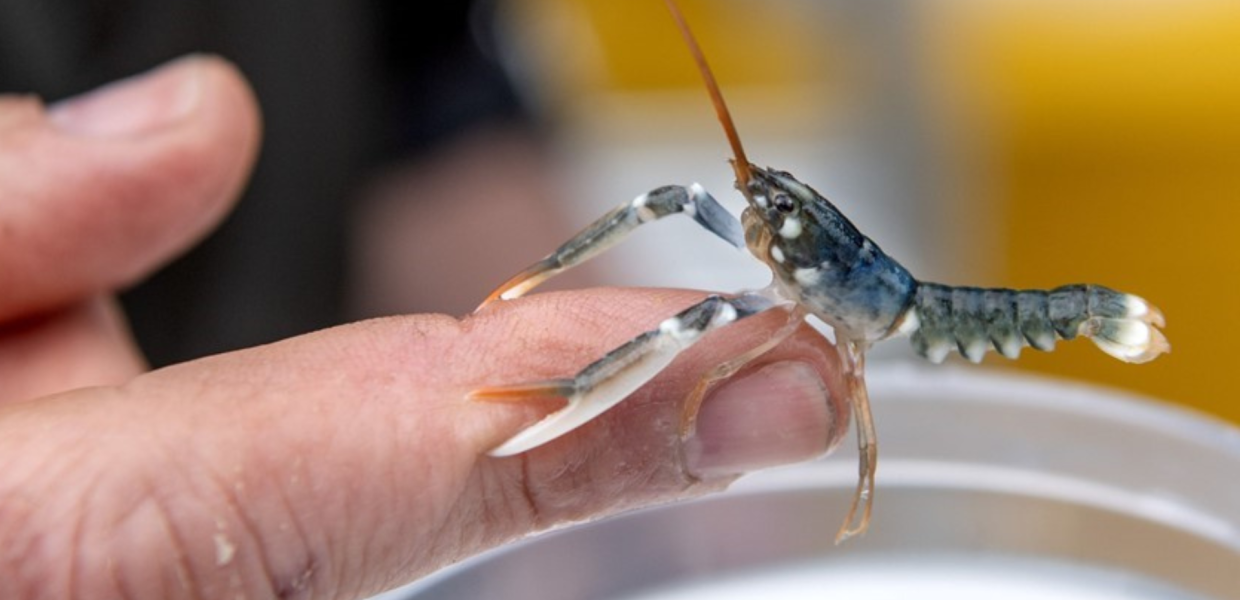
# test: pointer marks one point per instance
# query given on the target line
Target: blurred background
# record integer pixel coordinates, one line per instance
(413, 160)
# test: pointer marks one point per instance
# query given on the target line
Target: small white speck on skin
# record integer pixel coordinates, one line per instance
(791, 229)
(761, 201)
(777, 253)
(224, 549)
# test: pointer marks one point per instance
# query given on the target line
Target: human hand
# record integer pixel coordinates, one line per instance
(331, 465)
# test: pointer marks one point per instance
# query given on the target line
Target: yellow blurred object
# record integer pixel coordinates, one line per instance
(596, 63)
(634, 46)
(1114, 139)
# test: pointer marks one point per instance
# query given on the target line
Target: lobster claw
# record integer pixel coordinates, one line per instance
(617, 224)
(714, 217)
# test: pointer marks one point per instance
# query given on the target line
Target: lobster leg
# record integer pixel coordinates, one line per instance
(612, 227)
(795, 315)
(620, 372)
(867, 442)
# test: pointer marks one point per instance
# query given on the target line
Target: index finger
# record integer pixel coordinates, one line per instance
(349, 460)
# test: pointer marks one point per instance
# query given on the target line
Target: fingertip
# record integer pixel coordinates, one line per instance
(102, 188)
(231, 106)
(196, 174)
(193, 88)
(777, 414)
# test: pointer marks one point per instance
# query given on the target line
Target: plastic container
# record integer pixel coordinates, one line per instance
(990, 485)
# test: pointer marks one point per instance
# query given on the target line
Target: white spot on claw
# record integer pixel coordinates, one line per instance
(644, 214)
(726, 315)
(697, 194)
(777, 253)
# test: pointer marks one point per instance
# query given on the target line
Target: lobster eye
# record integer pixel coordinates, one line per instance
(784, 203)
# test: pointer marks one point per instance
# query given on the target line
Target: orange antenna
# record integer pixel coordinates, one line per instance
(739, 163)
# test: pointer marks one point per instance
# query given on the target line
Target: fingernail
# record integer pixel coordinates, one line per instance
(776, 415)
(134, 106)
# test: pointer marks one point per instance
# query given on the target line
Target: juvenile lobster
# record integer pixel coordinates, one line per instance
(823, 266)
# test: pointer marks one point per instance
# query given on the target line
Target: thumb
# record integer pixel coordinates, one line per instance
(347, 461)
(97, 191)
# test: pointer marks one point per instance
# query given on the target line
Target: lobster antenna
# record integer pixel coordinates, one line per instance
(740, 164)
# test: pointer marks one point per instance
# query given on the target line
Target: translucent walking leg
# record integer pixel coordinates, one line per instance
(614, 226)
(795, 315)
(867, 443)
(620, 372)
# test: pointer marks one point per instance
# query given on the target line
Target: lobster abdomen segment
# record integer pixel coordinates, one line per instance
(971, 320)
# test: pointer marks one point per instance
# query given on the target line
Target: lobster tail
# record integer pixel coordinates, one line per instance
(971, 320)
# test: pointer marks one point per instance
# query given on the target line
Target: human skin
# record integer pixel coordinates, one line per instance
(331, 465)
